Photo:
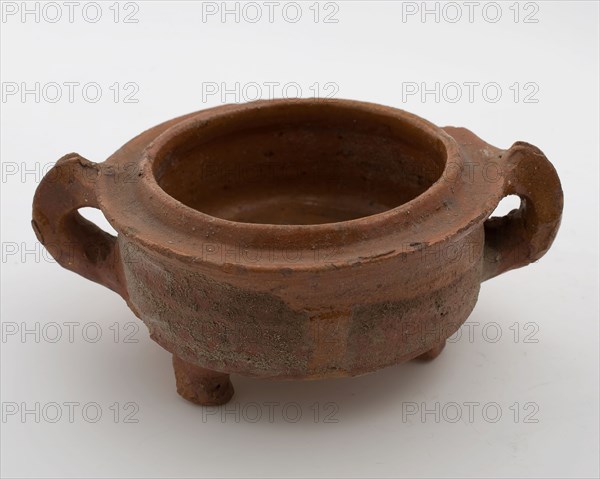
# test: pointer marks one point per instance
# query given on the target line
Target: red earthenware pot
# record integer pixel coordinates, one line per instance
(298, 239)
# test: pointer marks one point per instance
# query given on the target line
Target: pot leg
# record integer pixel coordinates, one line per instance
(433, 352)
(201, 386)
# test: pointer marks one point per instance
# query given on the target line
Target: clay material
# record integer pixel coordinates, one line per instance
(298, 239)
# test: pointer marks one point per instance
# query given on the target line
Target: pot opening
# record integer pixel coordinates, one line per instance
(299, 163)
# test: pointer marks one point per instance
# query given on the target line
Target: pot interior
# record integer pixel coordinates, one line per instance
(299, 164)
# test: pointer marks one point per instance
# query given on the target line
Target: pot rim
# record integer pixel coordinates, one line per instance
(160, 221)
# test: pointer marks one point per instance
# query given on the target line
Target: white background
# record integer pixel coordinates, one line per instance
(374, 54)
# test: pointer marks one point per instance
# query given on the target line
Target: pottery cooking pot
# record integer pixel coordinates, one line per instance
(298, 239)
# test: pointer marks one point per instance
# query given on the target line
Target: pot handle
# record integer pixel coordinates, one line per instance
(525, 234)
(74, 242)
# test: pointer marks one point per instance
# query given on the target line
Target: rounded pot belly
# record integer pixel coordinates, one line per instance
(287, 323)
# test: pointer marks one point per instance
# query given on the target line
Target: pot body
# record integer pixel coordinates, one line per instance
(308, 324)
(301, 301)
